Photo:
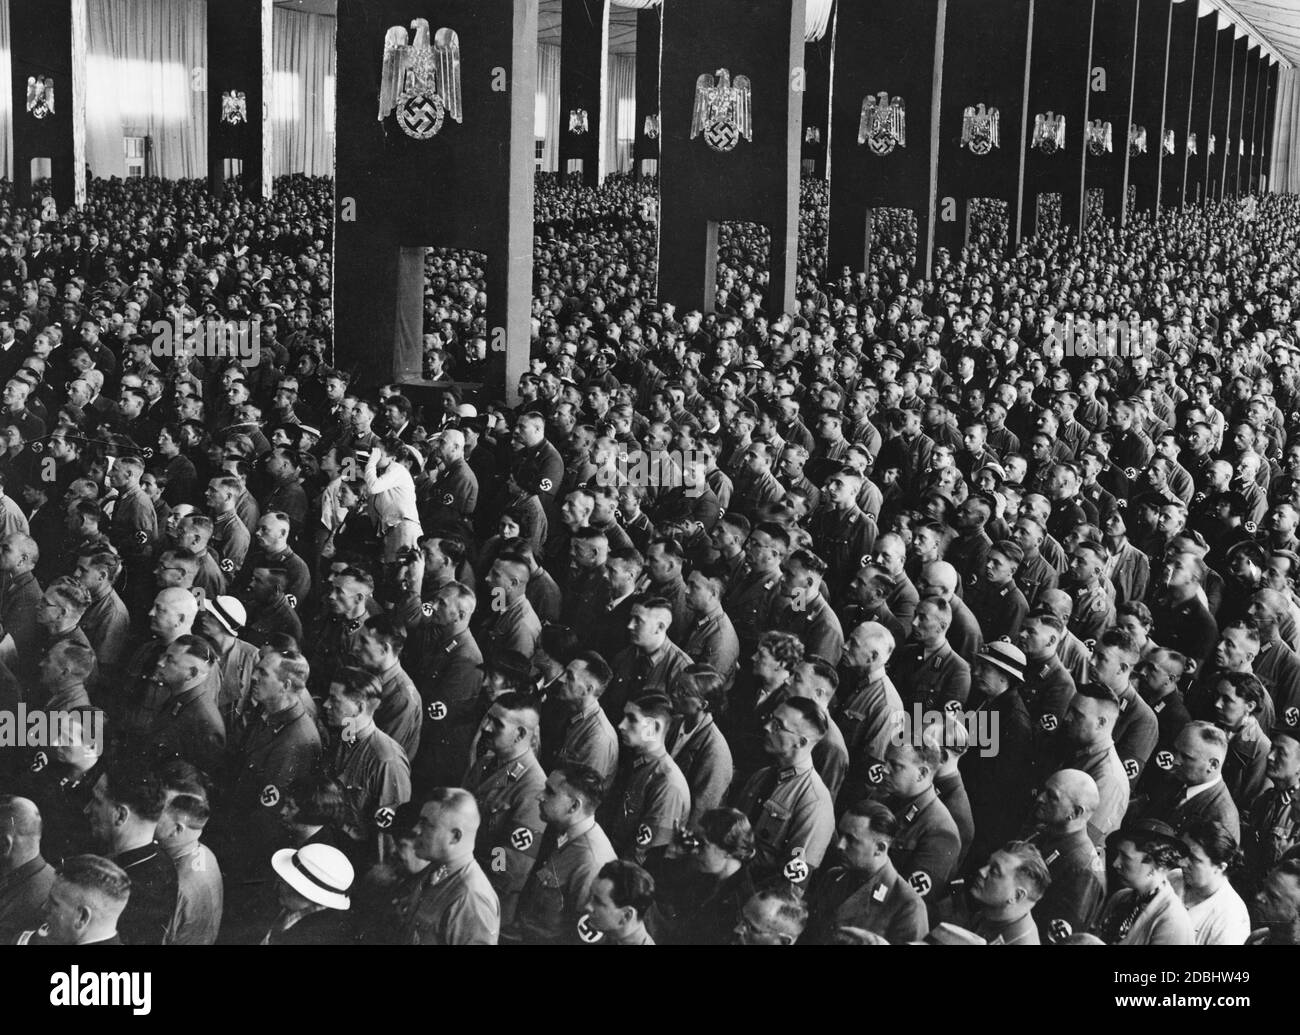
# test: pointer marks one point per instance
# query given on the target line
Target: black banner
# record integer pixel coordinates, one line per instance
(582, 42)
(1198, 164)
(236, 107)
(1110, 100)
(647, 87)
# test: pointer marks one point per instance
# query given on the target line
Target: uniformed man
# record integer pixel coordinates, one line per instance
(927, 844)
(650, 797)
(1272, 823)
(585, 736)
(994, 596)
(1062, 810)
(454, 902)
(930, 671)
(864, 891)
(1004, 892)
(1197, 790)
(871, 710)
(370, 766)
(805, 611)
(279, 746)
(1047, 688)
(787, 804)
(509, 622)
(400, 708)
(711, 639)
(134, 531)
(89, 896)
(844, 534)
(651, 661)
(452, 494)
(507, 784)
(536, 465)
(1094, 604)
(622, 896)
(337, 635)
(753, 593)
(448, 688)
(1087, 744)
(573, 850)
(1136, 729)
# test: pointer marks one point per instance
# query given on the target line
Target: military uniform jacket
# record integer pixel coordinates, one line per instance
(1136, 733)
(1093, 613)
(964, 634)
(649, 801)
(1130, 573)
(376, 778)
(998, 785)
(951, 789)
(1188, 628)
(134, 529)
(934, 680)
(750, 494)
(1104, 766)
(1277, 665)
(452, 497)
(711, 640)
(452, 905)
(1000, 609)
(539, 469)
(1244, 768)
(794, 823)
(868, 720)
(515, 628)
(511, 826)
(230, 541)
(705, 761)
(1047, 691)
(152, 904)
(927, 844)
(1074, 898)
(815, 624)
(551, 903)
(883, 903)
(334, 644)
(1272, 828)
(190, 726)
(588, 738)
(277, 750)
(844, 540)
(637, 673)
(399, 712)
(750, 602)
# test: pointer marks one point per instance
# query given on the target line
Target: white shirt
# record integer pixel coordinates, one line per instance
(1222, 919)
(392, 494)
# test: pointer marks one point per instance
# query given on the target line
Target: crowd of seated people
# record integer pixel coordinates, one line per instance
(952, 608)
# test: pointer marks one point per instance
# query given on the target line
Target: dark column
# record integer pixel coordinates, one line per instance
(469, 186)
(1232, 153)
(897, 48)
(977, 29)
(1113, 38)
(1178, 98)
(1247, 134)
(584, 40)
(1207, 50)
(239, 51)
(1058, 83)
(47, 40)
(1258, 169)
(1269, 115)
(647, 86)
(755, 180)
(817, 102)
(1220, 107)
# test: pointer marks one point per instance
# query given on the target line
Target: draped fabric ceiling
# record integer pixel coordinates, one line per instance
(145, 77)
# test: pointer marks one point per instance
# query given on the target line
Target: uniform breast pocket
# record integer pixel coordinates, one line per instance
(771, 825)
(549, 894)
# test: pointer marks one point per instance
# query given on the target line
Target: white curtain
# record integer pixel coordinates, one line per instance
(1284, 169)
(547, 122)
(146, 76)
(302, 94)
(620, 112)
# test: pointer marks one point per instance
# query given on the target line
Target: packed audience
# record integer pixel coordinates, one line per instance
(960, 609)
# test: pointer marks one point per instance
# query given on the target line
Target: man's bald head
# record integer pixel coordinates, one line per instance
(19, 818)
(448, 825)
(180, 600)
(1076, 787)
(938, 579)
(1058, 602)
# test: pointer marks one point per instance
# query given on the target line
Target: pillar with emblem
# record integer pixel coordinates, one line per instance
(584, 61)
(1058, 89)
(730, 131)
(238, 80)
(884, 149)
(982, 113)
(1177, 95)
(1110, 103)
(433, 148)
(645, 145)
(47, 41)
(1198, 137)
